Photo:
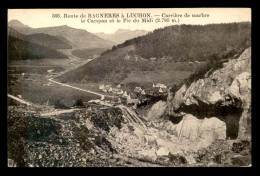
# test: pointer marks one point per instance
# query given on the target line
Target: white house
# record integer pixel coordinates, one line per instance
(120, 92)
(101, 86)
(110, 89)
(128, 97)
(143, 92)
(159, 85)
(115, 90)
(133, 101)
(162, 90)
(125, 94)
(105, 89)
(138, 89)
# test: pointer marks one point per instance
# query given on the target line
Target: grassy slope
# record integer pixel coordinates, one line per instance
(190, 42)
(88, 52)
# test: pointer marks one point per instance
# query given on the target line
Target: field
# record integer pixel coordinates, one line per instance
(30, 80)
(88, 52)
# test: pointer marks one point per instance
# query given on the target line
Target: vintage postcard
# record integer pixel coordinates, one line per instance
(154, 87)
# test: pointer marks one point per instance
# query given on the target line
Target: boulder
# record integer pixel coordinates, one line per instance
(190, 159)
(156, 111)
(162, 152)
(149, 154)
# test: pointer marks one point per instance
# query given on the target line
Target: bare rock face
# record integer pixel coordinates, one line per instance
(225, 95)
(204, 130)
(156, 111)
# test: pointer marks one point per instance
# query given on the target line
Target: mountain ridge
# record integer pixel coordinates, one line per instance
(79, 37)
(121, 35)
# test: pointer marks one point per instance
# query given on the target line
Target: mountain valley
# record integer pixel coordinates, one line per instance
(179, 96)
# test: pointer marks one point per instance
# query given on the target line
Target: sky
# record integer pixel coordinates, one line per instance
(43, 17)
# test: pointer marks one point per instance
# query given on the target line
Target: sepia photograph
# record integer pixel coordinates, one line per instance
(129, 87)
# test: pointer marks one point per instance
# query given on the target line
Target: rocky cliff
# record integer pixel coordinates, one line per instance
(223, 95)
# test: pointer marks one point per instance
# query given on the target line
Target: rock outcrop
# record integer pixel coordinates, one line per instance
(225, 95)
(156, 111)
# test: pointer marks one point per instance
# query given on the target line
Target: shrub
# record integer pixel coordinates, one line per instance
(79, 103)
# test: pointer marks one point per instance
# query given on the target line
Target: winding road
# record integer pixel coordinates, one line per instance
(62, 84)
(19, 100)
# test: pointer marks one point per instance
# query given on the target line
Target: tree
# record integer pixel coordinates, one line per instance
(79, 103)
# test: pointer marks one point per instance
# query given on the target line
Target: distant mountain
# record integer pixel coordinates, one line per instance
(20, 27)
(54, 42)
(121, 35)
(48, 41)
(12, 32)
(168, 55)
(79, 37)
(22, 50)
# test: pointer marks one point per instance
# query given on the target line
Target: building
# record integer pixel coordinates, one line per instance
(143, 92)
(159, 85)
(119, 85)
(110, 89)
(162, 90)
(108, 86)
(120, 92)
(138, 89)
(101, 86)
(106, 89)
(125, 94)
(132, 99)
(115, 90)
(155, 89)
(133, 96)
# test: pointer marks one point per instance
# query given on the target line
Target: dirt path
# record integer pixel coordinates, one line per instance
(66, 85)
(20, 100)
(58, 112)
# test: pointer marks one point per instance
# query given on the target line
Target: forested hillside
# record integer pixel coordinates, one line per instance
(21, 50)
(48, 41)
(168, 55)
(189, 42)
